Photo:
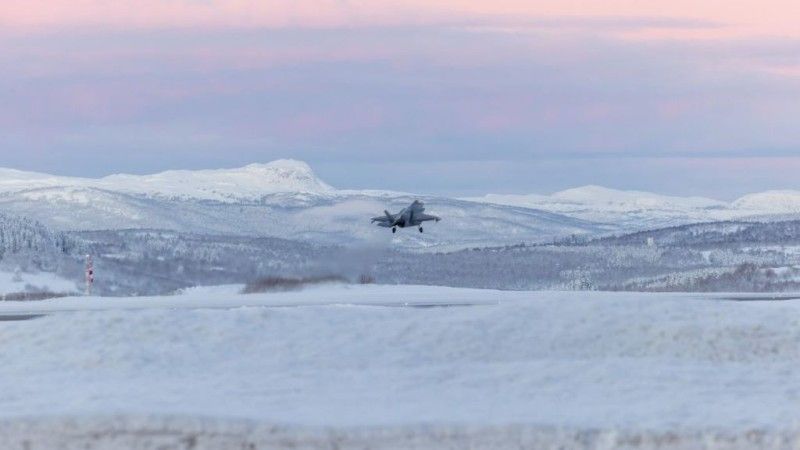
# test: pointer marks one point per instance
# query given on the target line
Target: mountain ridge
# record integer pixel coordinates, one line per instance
(250, 182)
(285, 198)
(254, 181)
(644, 209)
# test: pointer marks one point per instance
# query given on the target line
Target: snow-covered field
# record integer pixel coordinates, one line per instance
(359, 367)
(11, 282)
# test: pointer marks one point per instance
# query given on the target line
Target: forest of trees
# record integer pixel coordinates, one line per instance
(726, 256)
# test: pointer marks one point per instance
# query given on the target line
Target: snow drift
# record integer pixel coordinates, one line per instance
(578, 370)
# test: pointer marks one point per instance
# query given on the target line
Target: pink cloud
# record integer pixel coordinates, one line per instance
(160, 13)
(741, 18)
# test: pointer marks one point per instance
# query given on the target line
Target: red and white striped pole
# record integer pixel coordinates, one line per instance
(89, 275)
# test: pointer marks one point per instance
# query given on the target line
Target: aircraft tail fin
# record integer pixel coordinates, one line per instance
(389, 215)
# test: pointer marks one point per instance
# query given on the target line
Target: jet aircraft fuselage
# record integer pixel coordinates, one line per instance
(411, 216)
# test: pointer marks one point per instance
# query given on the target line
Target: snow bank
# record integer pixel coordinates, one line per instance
(146, 433)
(11, 282)
(516, 369)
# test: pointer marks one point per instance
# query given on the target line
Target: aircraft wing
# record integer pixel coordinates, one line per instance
(426, 217)
(386, 218)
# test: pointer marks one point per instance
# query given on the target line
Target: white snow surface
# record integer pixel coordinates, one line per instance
(599, 195)
(121, 200)
(226, 185)
(282, 198)
(643, 209)
(354, 359)
(11, 282)
(783, 201)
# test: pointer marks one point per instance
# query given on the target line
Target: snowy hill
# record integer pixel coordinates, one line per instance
(34, 258)
(283, 199)
(250, 183)
(22, 235)
(627, 200)
(780, 202)
(642, 210)
(286, 199)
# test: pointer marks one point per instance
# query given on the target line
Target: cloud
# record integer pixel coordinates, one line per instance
(183, 83)
(743, 18)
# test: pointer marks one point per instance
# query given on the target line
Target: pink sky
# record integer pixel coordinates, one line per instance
(148, 85)
(736, 18)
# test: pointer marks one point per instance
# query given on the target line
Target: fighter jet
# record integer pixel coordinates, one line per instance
(411, 216)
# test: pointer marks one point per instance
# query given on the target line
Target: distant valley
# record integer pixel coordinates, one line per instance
(282, 199)
(157, 234)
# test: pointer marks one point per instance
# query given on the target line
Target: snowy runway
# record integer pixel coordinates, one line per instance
(229, 297)
(544, 368)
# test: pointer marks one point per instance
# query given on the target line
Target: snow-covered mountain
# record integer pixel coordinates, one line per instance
(286, 199)
(639, 210)
(250, 183)
(627, 200)
(778, 202)
(283, 198)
